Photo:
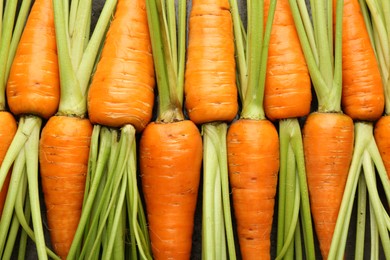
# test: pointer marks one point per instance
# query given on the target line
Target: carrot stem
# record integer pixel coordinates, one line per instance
(217, 223)
(13, 232)
(374, 235)
(361, 218)
(170, 108)
(5, 40)
(24, 235)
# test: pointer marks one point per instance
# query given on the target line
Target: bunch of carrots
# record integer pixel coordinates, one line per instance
(276, 116)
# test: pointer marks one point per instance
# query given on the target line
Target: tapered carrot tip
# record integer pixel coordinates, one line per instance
(63, 155)
(362, 95)
(7, 131)
(328, 145)
(170, 163)
(381, 133)
(253, 159)
(287, 90)
(33, 86)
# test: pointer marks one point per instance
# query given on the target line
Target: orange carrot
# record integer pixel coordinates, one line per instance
(121, 95)
(170, 147)
(363, 97)
(7, 131)
(64, 149)
(122, 90)
(328, 134)
(168, 175)
(328, 143)
(65, 139)
(253, 175)
(252, 141)
(33, 93)
(287, 96)
(287, 86)
(210, 86)
(211, 100)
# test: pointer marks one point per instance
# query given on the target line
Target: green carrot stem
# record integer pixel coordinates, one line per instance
(5, 40)
(369, 175)
(169, 107)
(13, 232)
(374, 235)
(31, 152)
(103, 154)
(216, 188)
(361, 218)
(9, 205)
(294, 220)
(298, 242)
(182, 30)
(24, 235)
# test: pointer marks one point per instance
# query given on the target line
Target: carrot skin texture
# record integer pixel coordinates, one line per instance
(126, 95)
(362, 96)
(253, 161)
(381, 133)
(210, 77)
(170, 164)
(287, 76)
(64, 151)
(328, 144)
(8, 129)
(33, 84)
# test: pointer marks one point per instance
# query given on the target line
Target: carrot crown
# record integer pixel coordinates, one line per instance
(77, 52)
(168, 43)
(252, 53)
(10, 33)
(317, 39)
(378, 27)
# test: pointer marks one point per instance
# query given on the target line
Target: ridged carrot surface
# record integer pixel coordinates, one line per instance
(170, 163)
(381, 133)
(7, 131)
(328, 144)
(64, 150)
(253, 168)
(122, 90)
(33, 84)
(210, 77)
(362, 96)
(288, 86)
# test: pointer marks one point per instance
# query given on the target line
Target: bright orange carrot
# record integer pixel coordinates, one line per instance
(65, 139)
(64, 149)
(122, 90)
(287, 86)
(253, 170)
(167, 174)
(210, 86)
(33, 84)
(363, 97)
(7, 131)
(171, 147)
(328, 143)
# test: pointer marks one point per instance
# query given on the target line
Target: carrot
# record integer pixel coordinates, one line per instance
(121, 95)
(362, 96)
(170, 147)
(7, 132)
(287, 76)
(219, 93)
(253, 197)
(253, 160)
(327, 168)
(287, 96)
(69, 132)
(382, 128)
(211, 101)
(32, 93)
(366, 159)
